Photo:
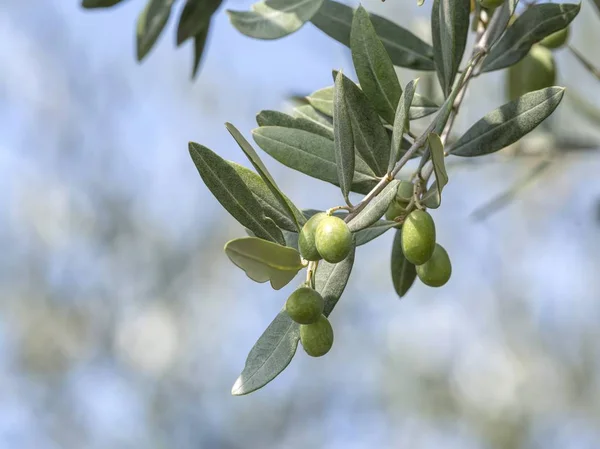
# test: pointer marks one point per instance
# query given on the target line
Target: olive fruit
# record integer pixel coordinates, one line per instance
(306, 239)
(333, 239)
(556, 39)
(317, 338)
(418, 237)
(437, 270)
(535, 71)
(401, 201)
(491, 4)
(304, 305)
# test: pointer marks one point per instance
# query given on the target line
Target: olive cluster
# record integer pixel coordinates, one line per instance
(322, 237)
(419, 240)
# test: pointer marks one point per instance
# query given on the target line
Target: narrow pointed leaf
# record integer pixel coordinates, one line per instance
(195, 18)
(310, 154)
(499, 21)
(264, 261)
(269, 356)
(508, 123)
(375, 209)
(100, 3)
(422, 107)
(401, 123)
(373, 66)
(404, 48)
(199, 44)
(449, 27)
(404, 273)
(532, 26)
(370, 137)
(307, 112)
(276, 118)
(292, 211)
(150, 25)
(343, 140)
(268, 202)
(229, 189)
(433, 198)
(331, 280)
(364, 236)
(273, 19)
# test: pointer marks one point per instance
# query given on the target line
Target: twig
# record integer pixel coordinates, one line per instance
(588, 65)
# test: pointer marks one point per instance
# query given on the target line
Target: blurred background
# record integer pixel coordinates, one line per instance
(124, 325)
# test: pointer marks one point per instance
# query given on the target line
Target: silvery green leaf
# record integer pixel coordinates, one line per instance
(264, 261)
(276, 118)
(422, 107)
(229, 189)
(375, 209)
(508, 123)
(150, 24)
(268, 202)
(343, 140)
(532, 26)
(273, 19)
(373, 66)
(269, 356)
(449, 27)
(401, 123)
(293, 213)
(404, 273)
(380, 227)
(195, 18)
(370, 137)
(499, 21)
(309, 113)
(199, 43)
(310, 154)
(331, 280)
(433, 198)
(405, 49)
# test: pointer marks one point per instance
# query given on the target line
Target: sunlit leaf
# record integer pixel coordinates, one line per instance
(150, 25)
(229, 189)
(401, 123)
(309, 113)
(433, 197)
(508, 123)
(276, 118)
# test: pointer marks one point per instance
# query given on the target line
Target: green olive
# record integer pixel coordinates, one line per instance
(304, 305)
(306, 239)
(317, 338)
(418, 237)
(437, 270)
(333, 239)
(491, 4)
(556, 39)
(535, 71)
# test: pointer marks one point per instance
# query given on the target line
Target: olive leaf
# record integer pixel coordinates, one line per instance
(508, 123)
(291, 210)
(276, 118)
(370, 137)
(373, 66)
(199, 44)
(404, 48)
(307, 112)
(273, 19)
(404, 273)
(331, 280)
(270, 204)
(375, 209)
(372, 232)
(422, 107)
(433, 198)
(343, 138)
(269, 356)
(449, 27)
(532, 26)
(310, 154)
(401, 123)
(99, 3)
(264, 261)
(150, 24)
(194, 18)
(229, 189)
(499, 21)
